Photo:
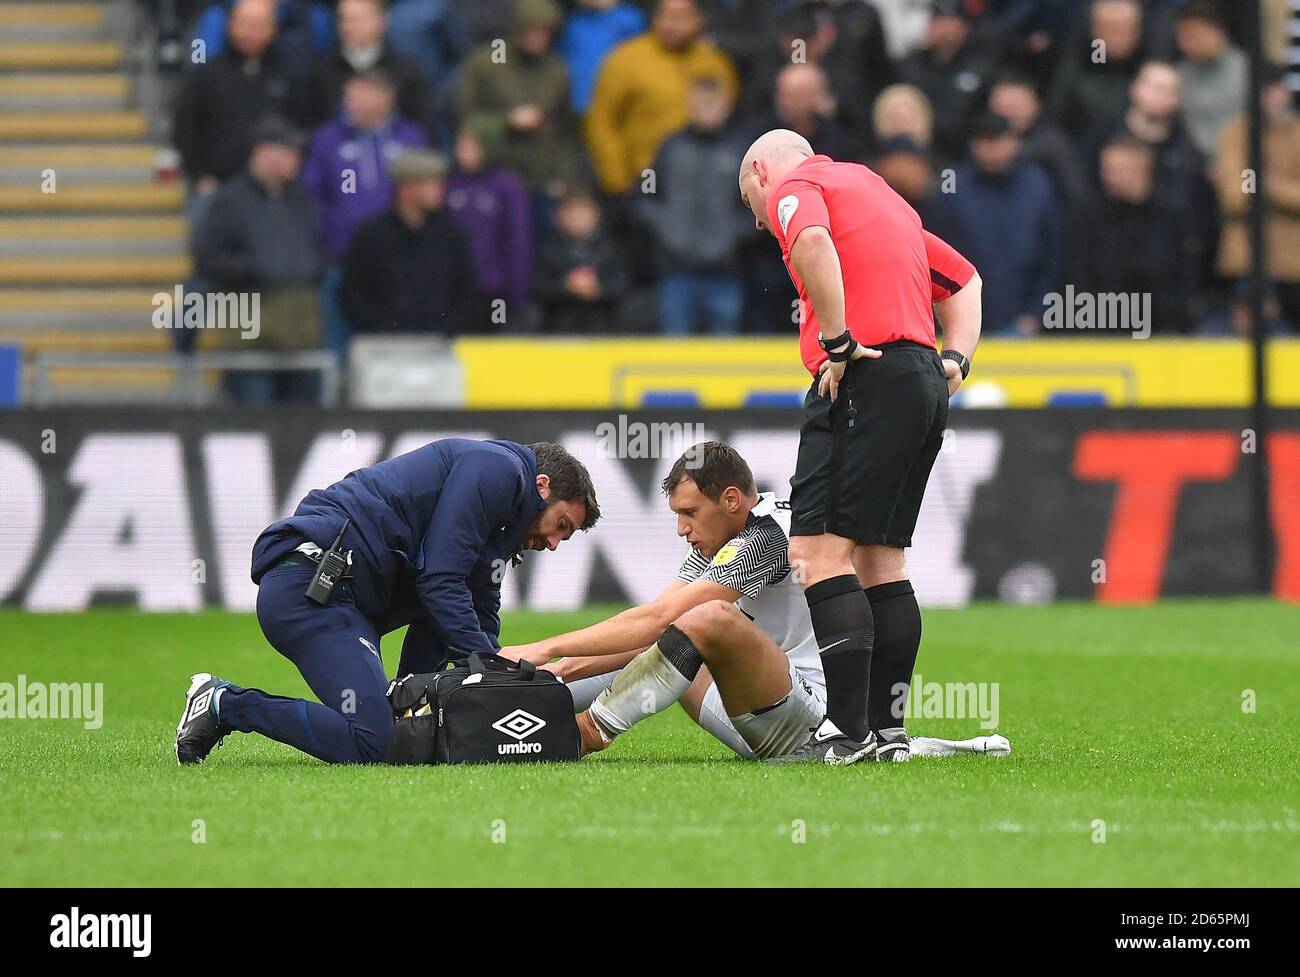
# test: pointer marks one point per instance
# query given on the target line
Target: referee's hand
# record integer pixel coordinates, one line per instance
(833, 373)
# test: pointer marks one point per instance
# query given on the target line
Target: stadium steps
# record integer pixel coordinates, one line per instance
(79, 266)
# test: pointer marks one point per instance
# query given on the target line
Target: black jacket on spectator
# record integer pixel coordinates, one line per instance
(326, 93)
(566, 313)
(1136, 249)
(400, 280)
(219, 104)
(251, 239)
(1087, 96)
(955, 89)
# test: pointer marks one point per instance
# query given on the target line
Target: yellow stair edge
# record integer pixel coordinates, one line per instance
(74, 341)
(94, 269)
(85, 85)
(53, 55)
(114, 197)
(91, 228)
(83, 156)
(51, 14)
(73, 125)
(87, 300)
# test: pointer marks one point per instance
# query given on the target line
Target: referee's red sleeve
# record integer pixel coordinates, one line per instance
(949, 271)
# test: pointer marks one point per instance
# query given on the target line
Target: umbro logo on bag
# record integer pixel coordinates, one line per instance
(519, 725)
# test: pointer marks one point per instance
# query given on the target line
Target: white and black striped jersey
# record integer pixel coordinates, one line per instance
(757, 564)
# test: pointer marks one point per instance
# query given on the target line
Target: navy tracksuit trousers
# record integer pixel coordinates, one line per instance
(336, 648)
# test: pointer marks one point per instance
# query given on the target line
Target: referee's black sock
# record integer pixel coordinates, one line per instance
(898, 638)
(841, 619)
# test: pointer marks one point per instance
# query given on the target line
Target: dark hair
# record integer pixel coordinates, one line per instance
(570, 480)
(375, 76)
(1128, 141)
(1205, 10)
(713, 466)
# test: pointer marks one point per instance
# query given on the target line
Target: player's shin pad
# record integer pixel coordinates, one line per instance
(650, 683)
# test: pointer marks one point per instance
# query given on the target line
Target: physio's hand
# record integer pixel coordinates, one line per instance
(833, 373)
(953, 372)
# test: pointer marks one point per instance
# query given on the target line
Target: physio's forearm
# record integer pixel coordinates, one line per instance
(961, 315)
(572, 669)
(818, 267)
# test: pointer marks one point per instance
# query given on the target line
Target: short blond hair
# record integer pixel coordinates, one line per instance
(907, 97)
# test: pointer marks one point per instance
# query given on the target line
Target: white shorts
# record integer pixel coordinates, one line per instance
(774, 731)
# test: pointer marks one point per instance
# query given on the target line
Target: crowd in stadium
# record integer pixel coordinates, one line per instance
(442, 167)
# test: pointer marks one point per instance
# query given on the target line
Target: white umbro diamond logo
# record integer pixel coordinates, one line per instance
(519, 724)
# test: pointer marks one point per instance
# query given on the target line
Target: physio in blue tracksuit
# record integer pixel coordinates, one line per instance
(430, 534)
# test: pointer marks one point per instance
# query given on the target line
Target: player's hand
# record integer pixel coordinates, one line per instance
(953, 373)
(534, 653)
(833, 373)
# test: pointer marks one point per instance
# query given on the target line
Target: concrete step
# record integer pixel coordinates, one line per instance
(93, 199)
(50, 313)
(39, 126)
(28, 91)
(162, 270)
(92, 235)
(37, 55)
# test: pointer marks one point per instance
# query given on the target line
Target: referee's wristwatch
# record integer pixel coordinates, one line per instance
(963, 363)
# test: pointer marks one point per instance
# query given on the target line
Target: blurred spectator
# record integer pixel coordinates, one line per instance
(643, 89)
(1005, 219)
(1216, 75)
(903, 110)
(221, 101)
(1181, 183)
(803, 103)
(693, 220)
(1133, 245)
(580, 273)
(594, 29)
(1035, 31)
(432, 33)
(1014, 97)
(409, 269)
(1091, 87)
(305, 32)
(905, 23)
(491, 206)
(1281, 189)
(845, 38)
(361, 47)
(517, 97)
(909, 171)
(953, 70)
(346, 172)
(261, 235)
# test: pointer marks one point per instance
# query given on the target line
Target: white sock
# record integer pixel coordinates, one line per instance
(645, 686)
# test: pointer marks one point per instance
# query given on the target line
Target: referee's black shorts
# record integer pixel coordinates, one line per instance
(864, 461)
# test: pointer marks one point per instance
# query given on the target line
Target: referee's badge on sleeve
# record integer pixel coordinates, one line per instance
(785, 209)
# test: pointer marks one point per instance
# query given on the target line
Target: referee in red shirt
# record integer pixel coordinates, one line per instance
(870, 282)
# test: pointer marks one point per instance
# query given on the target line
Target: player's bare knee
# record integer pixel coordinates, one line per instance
(706, 624)
(817, 558)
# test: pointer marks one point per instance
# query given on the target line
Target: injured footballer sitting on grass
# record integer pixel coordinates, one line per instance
(731, 638)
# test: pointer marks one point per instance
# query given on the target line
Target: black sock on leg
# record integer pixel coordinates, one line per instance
(897, 618)
(841, 618)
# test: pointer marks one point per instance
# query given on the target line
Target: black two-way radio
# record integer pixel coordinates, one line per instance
(333, 565)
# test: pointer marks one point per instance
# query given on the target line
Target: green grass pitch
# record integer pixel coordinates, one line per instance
(1126, 723)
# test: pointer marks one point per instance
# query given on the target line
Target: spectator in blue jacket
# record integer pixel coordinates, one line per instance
(1005, 218)
(346, 172)
(590, 33)
(429, 535)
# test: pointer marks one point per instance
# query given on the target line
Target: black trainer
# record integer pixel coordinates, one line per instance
(199, 730)
(828, 745)
(892, 746)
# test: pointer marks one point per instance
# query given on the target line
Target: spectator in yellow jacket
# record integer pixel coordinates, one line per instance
(643, 90)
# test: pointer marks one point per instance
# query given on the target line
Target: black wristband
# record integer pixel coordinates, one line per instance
(962, 362)
(841, 348)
